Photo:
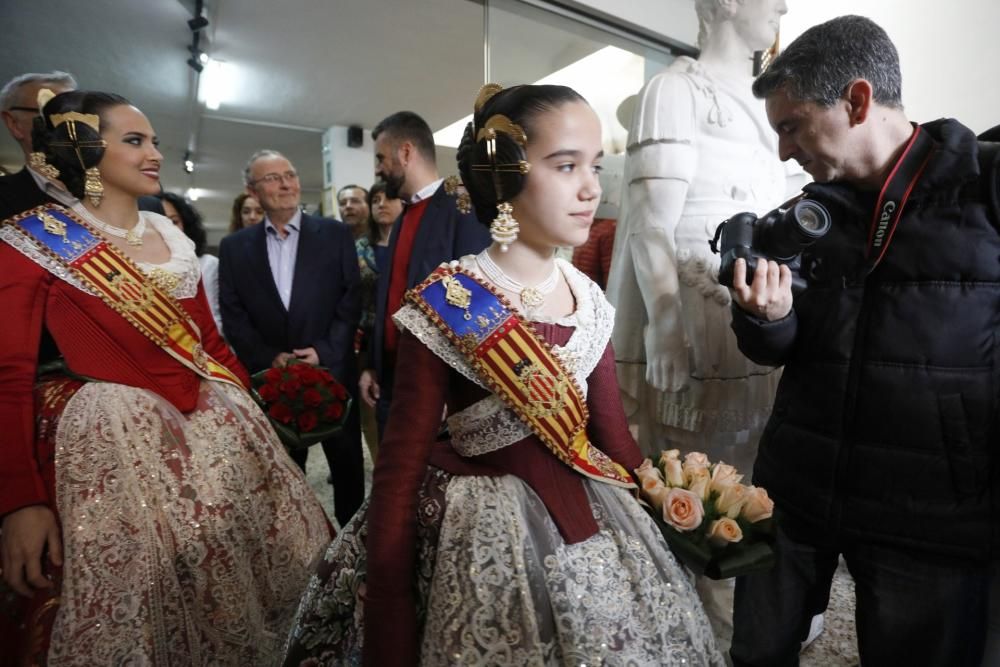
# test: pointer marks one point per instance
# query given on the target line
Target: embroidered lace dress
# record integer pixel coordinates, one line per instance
(487, 550)
(187, 531)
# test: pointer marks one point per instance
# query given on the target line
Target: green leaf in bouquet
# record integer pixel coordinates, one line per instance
(754, 552)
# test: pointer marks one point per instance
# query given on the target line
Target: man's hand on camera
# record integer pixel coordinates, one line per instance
(769, 296)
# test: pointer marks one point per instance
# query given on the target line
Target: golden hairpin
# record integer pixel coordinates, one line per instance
(44, 95)
(500, 123)
(485, 93)
(519, 167)
(91, 119)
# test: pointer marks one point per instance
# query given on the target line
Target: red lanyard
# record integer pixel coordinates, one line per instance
(889, 207)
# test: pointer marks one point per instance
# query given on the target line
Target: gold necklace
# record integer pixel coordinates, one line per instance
(532, 298)
(132, 236)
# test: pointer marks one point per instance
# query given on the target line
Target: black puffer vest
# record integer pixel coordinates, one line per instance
(885, 425)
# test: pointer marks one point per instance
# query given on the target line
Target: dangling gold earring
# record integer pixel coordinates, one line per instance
(37, 162)
(93, 187)
(504, 227)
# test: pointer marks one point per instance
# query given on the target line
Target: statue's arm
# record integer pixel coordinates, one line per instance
(661, 163)
(656, 207)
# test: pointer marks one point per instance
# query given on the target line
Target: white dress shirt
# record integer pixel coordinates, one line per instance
(281, 255)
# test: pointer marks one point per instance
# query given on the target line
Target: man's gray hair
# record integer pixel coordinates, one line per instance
(822, 62)
(259, 155)
(9, 92)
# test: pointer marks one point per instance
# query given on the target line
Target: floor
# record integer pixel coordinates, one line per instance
(317, 471)
(836, 647)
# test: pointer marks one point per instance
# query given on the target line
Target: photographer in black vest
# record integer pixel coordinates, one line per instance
(882, 446)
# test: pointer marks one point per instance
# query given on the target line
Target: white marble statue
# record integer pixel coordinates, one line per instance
(700, 149)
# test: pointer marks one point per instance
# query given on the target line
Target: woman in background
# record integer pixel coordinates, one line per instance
(246, 211)
(373, 257)
(187, 219)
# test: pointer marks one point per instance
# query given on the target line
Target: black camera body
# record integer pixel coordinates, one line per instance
(780, 235)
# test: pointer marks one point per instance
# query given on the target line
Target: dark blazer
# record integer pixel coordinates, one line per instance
(445, 234)
(325, 305)
(19, 192)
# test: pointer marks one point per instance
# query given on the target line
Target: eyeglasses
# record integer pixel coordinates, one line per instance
(289, 176)
(28, 109)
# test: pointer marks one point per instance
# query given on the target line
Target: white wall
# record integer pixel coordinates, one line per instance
(344, 165)
(949, 51)
(675, 19)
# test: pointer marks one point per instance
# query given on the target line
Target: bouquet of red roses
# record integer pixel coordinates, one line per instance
(305, 403)
(713, 524)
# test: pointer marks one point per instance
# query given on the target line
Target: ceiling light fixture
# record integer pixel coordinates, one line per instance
(199, 22)
(216, 83)
(197, 53)
(188, 163)
(198, 58)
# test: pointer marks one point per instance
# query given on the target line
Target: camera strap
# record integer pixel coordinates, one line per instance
(891, 200)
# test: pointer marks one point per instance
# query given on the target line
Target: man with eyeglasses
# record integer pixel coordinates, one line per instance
(19, 107)
(289, 291)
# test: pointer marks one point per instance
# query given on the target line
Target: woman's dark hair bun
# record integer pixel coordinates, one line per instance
(521, 104)
(72, 154)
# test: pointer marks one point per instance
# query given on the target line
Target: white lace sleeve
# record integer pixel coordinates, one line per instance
(409, 318)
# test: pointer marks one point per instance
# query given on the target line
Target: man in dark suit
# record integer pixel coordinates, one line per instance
(19, 107)
(288, 290)
(435, 227)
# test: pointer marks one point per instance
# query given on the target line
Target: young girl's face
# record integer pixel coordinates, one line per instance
(561, 192)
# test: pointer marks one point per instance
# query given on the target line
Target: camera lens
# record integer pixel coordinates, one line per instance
(812, 218)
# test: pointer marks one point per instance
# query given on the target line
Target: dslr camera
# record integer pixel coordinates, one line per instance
(780, 235)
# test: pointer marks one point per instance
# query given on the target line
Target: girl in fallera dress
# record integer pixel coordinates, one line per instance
(150, 514)
(517, 541)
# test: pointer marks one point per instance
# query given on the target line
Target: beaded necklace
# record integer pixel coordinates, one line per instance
(132, 236)
(532, 298)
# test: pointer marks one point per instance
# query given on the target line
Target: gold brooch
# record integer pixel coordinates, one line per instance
(453, 186)
(547, 393)
(133, 294)
(456, 295)
(53, 225)
(165, 280)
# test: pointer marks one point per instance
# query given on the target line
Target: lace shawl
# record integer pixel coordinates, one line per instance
(488, 425)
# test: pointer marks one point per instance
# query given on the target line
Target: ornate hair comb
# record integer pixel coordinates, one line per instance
(90, 119)
(500, 123)
(485, 93)
(44, 95)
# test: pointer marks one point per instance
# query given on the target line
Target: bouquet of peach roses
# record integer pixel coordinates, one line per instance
(713, 524)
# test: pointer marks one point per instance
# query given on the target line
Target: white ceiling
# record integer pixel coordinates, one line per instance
(300, 66)
(308, 63)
